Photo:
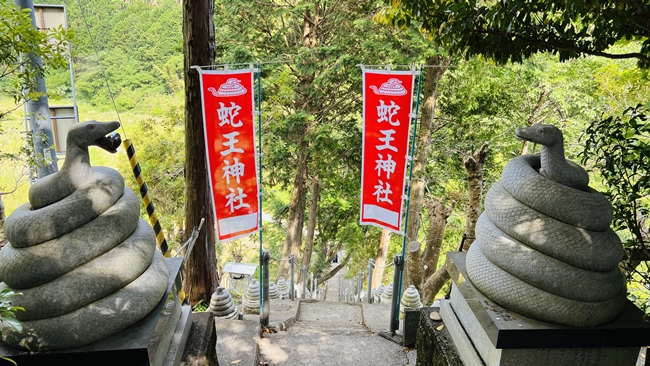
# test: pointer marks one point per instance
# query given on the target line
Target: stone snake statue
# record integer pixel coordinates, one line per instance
(543, 245)
(85, 263)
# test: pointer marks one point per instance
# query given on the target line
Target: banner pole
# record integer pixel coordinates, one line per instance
(408, 194)
(259, 149)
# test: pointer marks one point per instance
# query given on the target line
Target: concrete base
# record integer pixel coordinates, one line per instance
(201, 346)
(238, 341)
(484, 332)
(434, 344)
(150, 342)
(410, 326)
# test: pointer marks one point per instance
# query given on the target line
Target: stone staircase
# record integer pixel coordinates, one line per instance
(312, 332)
(329, 333)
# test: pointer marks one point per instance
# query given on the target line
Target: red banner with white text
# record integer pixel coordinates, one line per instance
(228, 122)
(387, 106)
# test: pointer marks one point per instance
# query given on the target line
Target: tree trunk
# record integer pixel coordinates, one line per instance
(474, 164)
(413, 268)
(293, 238)
(438, 215)
(311, 225)
(335, 270)
(201, 278)
(380, 259)
(2, 222)
(434, 283)
(301, 206)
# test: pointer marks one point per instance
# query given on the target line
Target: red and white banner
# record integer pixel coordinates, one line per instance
(228, 124)
(387, 105)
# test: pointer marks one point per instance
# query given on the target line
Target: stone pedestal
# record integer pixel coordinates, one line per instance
(485, 333)
(434, 344)
(201, 348)
(157, 340)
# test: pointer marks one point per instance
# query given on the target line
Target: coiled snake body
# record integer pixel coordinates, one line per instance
(543, 245)
(84, 261)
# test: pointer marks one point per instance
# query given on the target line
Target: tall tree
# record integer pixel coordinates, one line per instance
(437, 66)
(312, 96)
(514, 30)
(198, 43)
(380, 258)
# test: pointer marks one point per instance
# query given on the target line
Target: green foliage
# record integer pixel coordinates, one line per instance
(619, 147)
(200, 307)
(7, 313)
(25, 56)
(311, 98)
(159, 145)
(515, 30)
(20, 43)
(140, 45)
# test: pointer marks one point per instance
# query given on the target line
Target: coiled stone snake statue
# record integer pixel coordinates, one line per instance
(543, 245)
(85, 263)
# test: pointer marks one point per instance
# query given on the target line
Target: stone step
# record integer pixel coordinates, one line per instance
(329, 328)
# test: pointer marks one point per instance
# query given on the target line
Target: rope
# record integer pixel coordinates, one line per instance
(146, 200)
(130, 151)
(101, 67)
(383, 267)
(279, 259)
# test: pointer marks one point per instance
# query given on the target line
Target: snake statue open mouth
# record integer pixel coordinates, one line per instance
(83, 259)
(543, 245)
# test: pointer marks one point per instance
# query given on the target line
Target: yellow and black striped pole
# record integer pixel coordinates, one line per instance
(144, 192)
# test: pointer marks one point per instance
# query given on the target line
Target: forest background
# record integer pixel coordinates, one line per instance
(140, 46)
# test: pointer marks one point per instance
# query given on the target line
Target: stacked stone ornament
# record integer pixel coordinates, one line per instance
(251, 299)
(84, 261)
(410, 299)
(387, 295)
(543, 246)
(380, 291)
(283, 287)
(274, 292)
(222, 304)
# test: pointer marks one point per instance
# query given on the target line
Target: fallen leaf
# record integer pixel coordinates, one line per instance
(235, 362)
(441, 327)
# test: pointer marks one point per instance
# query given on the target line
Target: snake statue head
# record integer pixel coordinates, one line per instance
(94, 133)
(76, 167)
(546, 135)
(554, 165)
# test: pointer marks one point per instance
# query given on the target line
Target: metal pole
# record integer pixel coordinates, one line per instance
(38, 112)
(264, 277)
(304, 281)
(394, 306)
(266, 304)
(371, 265)
(399, 277)
(292, 293)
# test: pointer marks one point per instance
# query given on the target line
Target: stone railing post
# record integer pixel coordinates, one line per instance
(304, 281)
(371, 266)
(394, 306)
(266, 304)
(292, 292)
